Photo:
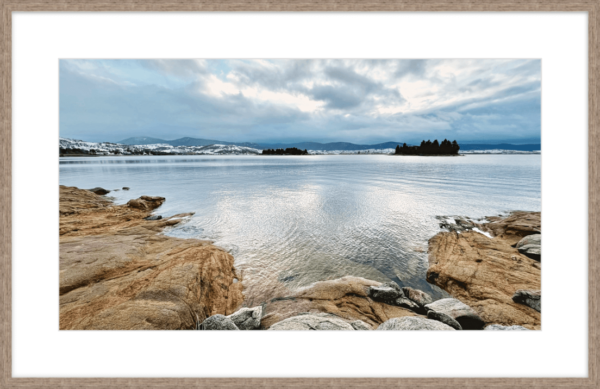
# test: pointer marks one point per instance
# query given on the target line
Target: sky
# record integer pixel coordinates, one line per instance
(279, 101)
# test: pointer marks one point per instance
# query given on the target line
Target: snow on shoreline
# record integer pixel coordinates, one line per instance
(78, 147)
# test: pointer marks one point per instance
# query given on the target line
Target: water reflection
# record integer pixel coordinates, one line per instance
(290, 221)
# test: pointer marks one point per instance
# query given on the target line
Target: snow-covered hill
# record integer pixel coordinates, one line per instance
(71, 147)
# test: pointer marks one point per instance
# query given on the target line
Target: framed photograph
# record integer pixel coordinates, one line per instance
(323, 194)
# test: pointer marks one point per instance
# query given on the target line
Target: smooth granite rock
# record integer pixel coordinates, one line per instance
(418, 296)
(360, 325)
(442, 317)
(318, 322)
(387, 293)
(459, 311)
(413, 323)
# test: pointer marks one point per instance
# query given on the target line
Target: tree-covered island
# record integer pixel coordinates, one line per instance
(429, 148)
(288, 151)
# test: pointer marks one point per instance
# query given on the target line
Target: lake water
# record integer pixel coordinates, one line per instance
(290, 221)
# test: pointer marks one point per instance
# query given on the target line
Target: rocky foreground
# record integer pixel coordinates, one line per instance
(118, 271)
(493, 266)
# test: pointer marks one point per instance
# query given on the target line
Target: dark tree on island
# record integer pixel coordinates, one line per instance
(288, 151)
(429, 148)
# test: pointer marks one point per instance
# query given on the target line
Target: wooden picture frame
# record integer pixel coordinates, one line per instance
(8, 7)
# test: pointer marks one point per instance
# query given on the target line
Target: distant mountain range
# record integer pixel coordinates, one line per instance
(341, 146)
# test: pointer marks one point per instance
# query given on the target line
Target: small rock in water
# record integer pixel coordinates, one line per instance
(99, 191)
(498, 327)
(247, 318)
(459, 311)
(218, 323)
(531, 298)
(412, 323)
(386, 293)
(125, 188)
(442, 317)
(116, 190)
(153, 217)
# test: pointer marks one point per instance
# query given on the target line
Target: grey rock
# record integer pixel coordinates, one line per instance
(360, 325)
(413, 323)
(154, 217)
(498, 327)
(442, 317)
(531, 298)
(99, 191)
(311, 321)
(531, 246)
(459, 311)
(532, 251)
(535, 239)
(419, 297)
(408, 304)
(125, 188)
(386, 293)
(218, 323)
(247, 318)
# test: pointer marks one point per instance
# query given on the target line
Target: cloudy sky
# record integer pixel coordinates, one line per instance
(359, 101)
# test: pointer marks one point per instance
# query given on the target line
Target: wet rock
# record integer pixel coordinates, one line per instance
(218, 323)
(459, 311)
(531, 298)
(408, 304)
(153, 217)
(413, 324)
(247, 318)
(386, 293)
(99, 191)
(317, 321)
(442, 317)
(419, 297)
(125, 188)
(146, 203)
(360, 325)
(498, 327)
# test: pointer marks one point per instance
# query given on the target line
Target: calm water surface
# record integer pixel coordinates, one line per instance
(290, 221)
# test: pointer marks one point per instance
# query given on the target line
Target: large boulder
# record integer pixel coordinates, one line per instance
(386, 293)
(247, 318)
(146, 203)
(531, 298)
(498, 327)
(459, 311)
(484, 272)
(413, 324)
(316, 321)
(531, 245)
(119, 272)
(99, 191)
(218, 323)
(442, 317)
(346, 297)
